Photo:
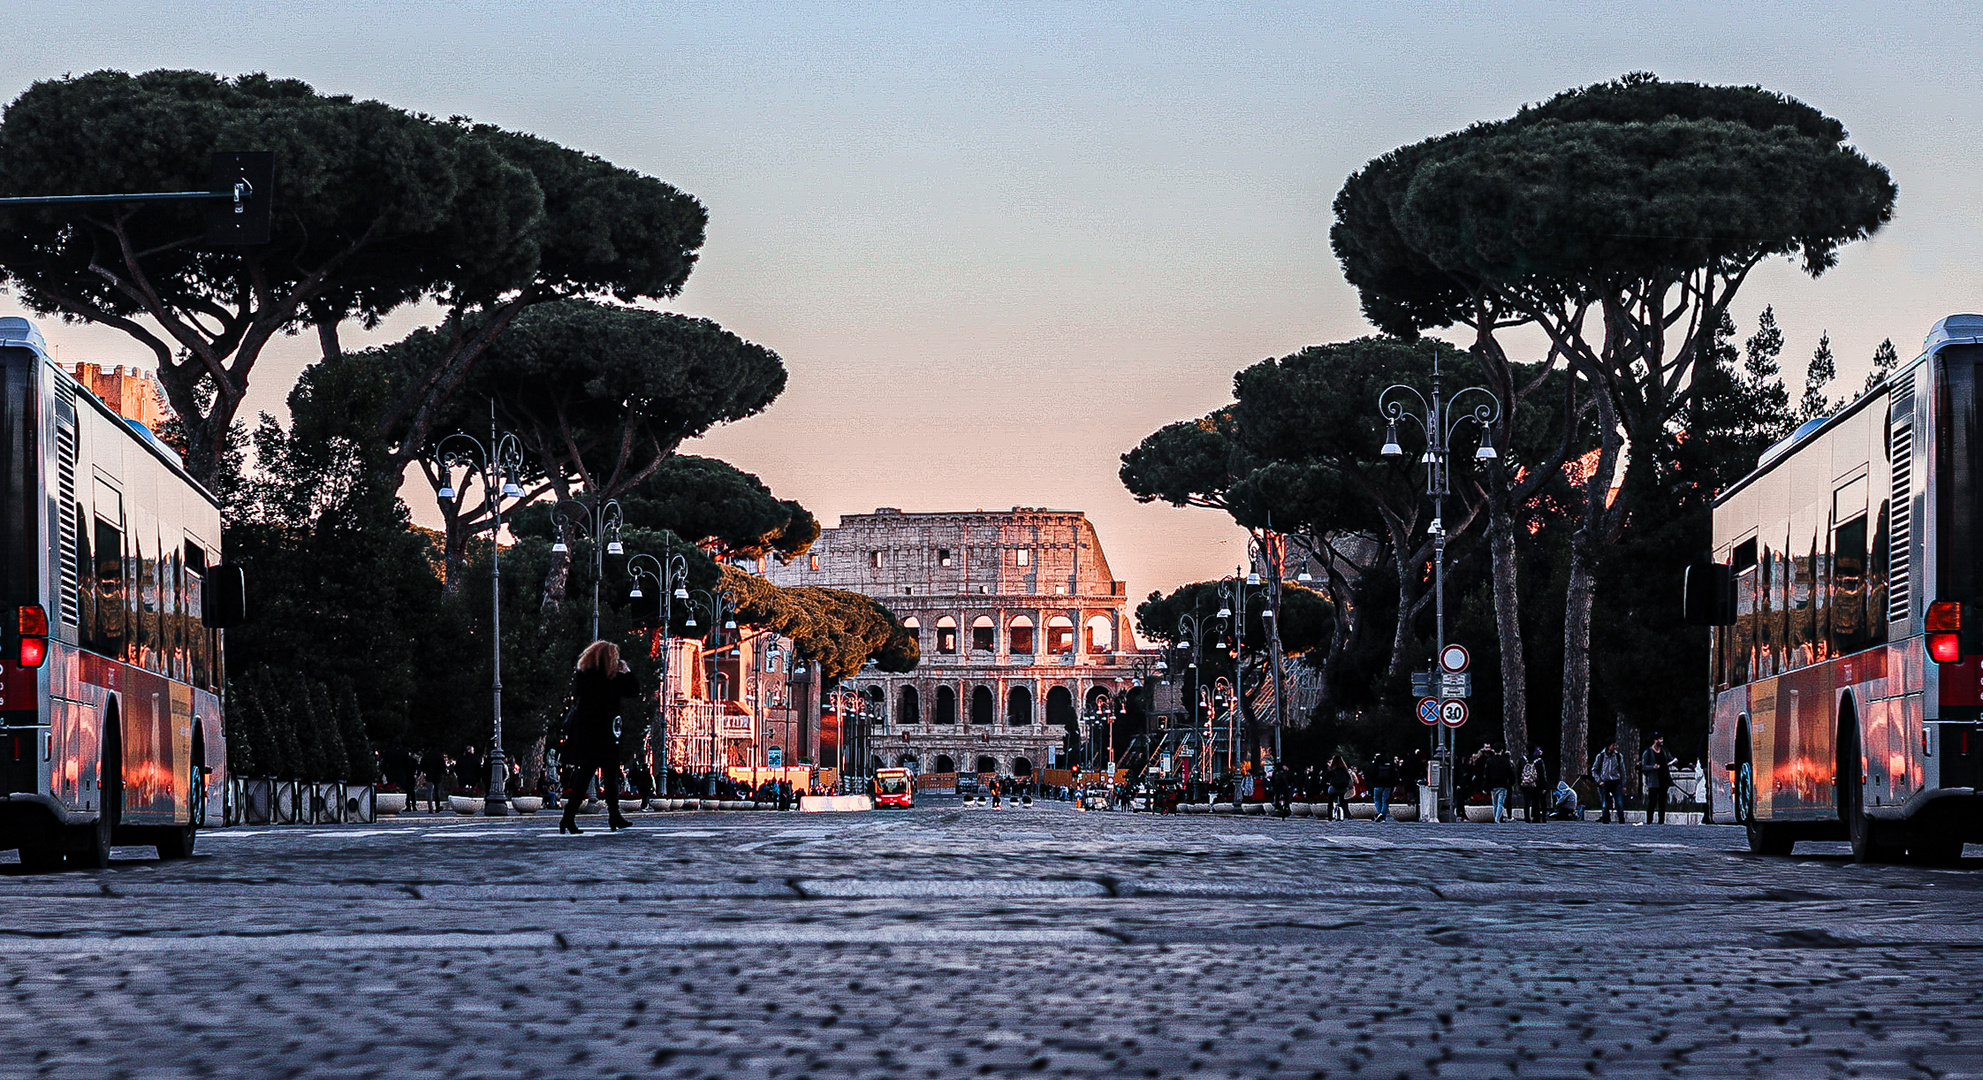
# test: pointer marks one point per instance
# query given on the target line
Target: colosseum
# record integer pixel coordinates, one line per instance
(1023, 629)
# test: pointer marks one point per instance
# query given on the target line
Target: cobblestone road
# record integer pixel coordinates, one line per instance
(952, 942)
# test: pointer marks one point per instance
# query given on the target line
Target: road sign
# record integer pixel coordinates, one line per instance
(1453, 713)
(1452, 685)
(774, 757)
(1428, 711)
(1421, 684)
(1454, 658)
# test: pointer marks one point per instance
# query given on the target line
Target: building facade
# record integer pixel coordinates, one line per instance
(1023, 629)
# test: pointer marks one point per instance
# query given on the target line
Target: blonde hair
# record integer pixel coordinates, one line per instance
(600, 657)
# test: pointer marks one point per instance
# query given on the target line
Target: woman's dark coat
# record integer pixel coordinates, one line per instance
(599, 699)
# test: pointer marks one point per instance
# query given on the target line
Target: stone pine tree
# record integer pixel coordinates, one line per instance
(374, 208)
(1818, 376)
(1885, 359)
(1619, 220)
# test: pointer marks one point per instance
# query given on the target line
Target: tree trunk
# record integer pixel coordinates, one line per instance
(1575, 760)
(1628, 747)
(1508, 623)
(559, 576)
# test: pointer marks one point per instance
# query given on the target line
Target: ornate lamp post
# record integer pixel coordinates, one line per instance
(595, 523)
(499, 462)
(667, 575)
(719, 617)
(1439, 419)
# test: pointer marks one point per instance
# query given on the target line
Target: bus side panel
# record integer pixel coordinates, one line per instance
(1729, 707)
(153, 756)
(1805, 745)
(1763, 723)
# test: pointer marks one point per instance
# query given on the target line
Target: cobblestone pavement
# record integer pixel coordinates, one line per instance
(953, 942)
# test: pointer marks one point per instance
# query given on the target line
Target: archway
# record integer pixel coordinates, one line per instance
(1100, 634)
(875, 762)
(944, 764)
(946, 635)
(907, 761)
(1021, 768)
(1096, 696)
(1019, 707)
(878, 704)
(946, 706)
(984, 634)
(981, 706)
(987, 764)
(1060, 636)
(1060, 713)
(910, 711)
(1022, 635)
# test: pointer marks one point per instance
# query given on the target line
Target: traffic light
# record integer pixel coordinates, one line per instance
(248, 176)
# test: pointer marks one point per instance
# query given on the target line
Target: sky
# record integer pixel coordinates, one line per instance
(998, 244)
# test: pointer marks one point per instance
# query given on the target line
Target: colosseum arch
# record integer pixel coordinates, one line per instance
(946, 706)
(910, 710)
(1019, 707)
(981, 706)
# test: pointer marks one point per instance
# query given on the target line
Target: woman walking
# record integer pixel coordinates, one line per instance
(592, 744)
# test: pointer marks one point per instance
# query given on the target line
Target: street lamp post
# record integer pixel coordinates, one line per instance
(1439, 420)
(597, 524)
(498, 462)
(1232, 591)
(719, 620)
(668, 575)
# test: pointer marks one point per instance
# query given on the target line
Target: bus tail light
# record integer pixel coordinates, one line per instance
(31, 622)
(1945, 631)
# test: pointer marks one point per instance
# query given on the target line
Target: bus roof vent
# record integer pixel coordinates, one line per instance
(1956, 328)
(1784, 444)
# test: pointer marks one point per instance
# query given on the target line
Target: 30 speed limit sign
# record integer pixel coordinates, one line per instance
(1453, 713)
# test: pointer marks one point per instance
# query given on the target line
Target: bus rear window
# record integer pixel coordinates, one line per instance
(1958, 471)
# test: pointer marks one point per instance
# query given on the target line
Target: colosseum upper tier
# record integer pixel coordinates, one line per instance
(1022, 628)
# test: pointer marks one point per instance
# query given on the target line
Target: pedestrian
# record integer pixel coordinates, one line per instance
(401, 768)
(600, 683)
(1609, 772)
(1656, 769)
(1383, 777)
(434, 772)
(1498, 774)
(468, 770)
(1336, 779)
(1535, 784)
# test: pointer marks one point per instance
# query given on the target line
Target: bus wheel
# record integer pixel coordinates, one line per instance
(1871, 839)
(1769, 840)
(97, 837)
(176, 841)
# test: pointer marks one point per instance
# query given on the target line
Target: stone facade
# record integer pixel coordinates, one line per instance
(132, 394)
(1022, 628)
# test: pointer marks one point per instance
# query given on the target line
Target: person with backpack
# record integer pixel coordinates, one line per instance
(1609, 772)
(1656, 769)
(1535, 788)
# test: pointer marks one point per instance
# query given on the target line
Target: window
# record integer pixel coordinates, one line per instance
(981, 706)
(874, 559)
(1060, 636)
(1022, 635)
(946, 635)
(814, 563)
(946, 709)
(1025, 557)
(1101, 635)
(943, 556)
(984, 635)
(911, 711)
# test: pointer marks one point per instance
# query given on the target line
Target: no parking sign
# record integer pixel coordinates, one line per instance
(1428, 711)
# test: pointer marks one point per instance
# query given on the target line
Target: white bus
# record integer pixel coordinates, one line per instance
(110, 652)
(1847, 601)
